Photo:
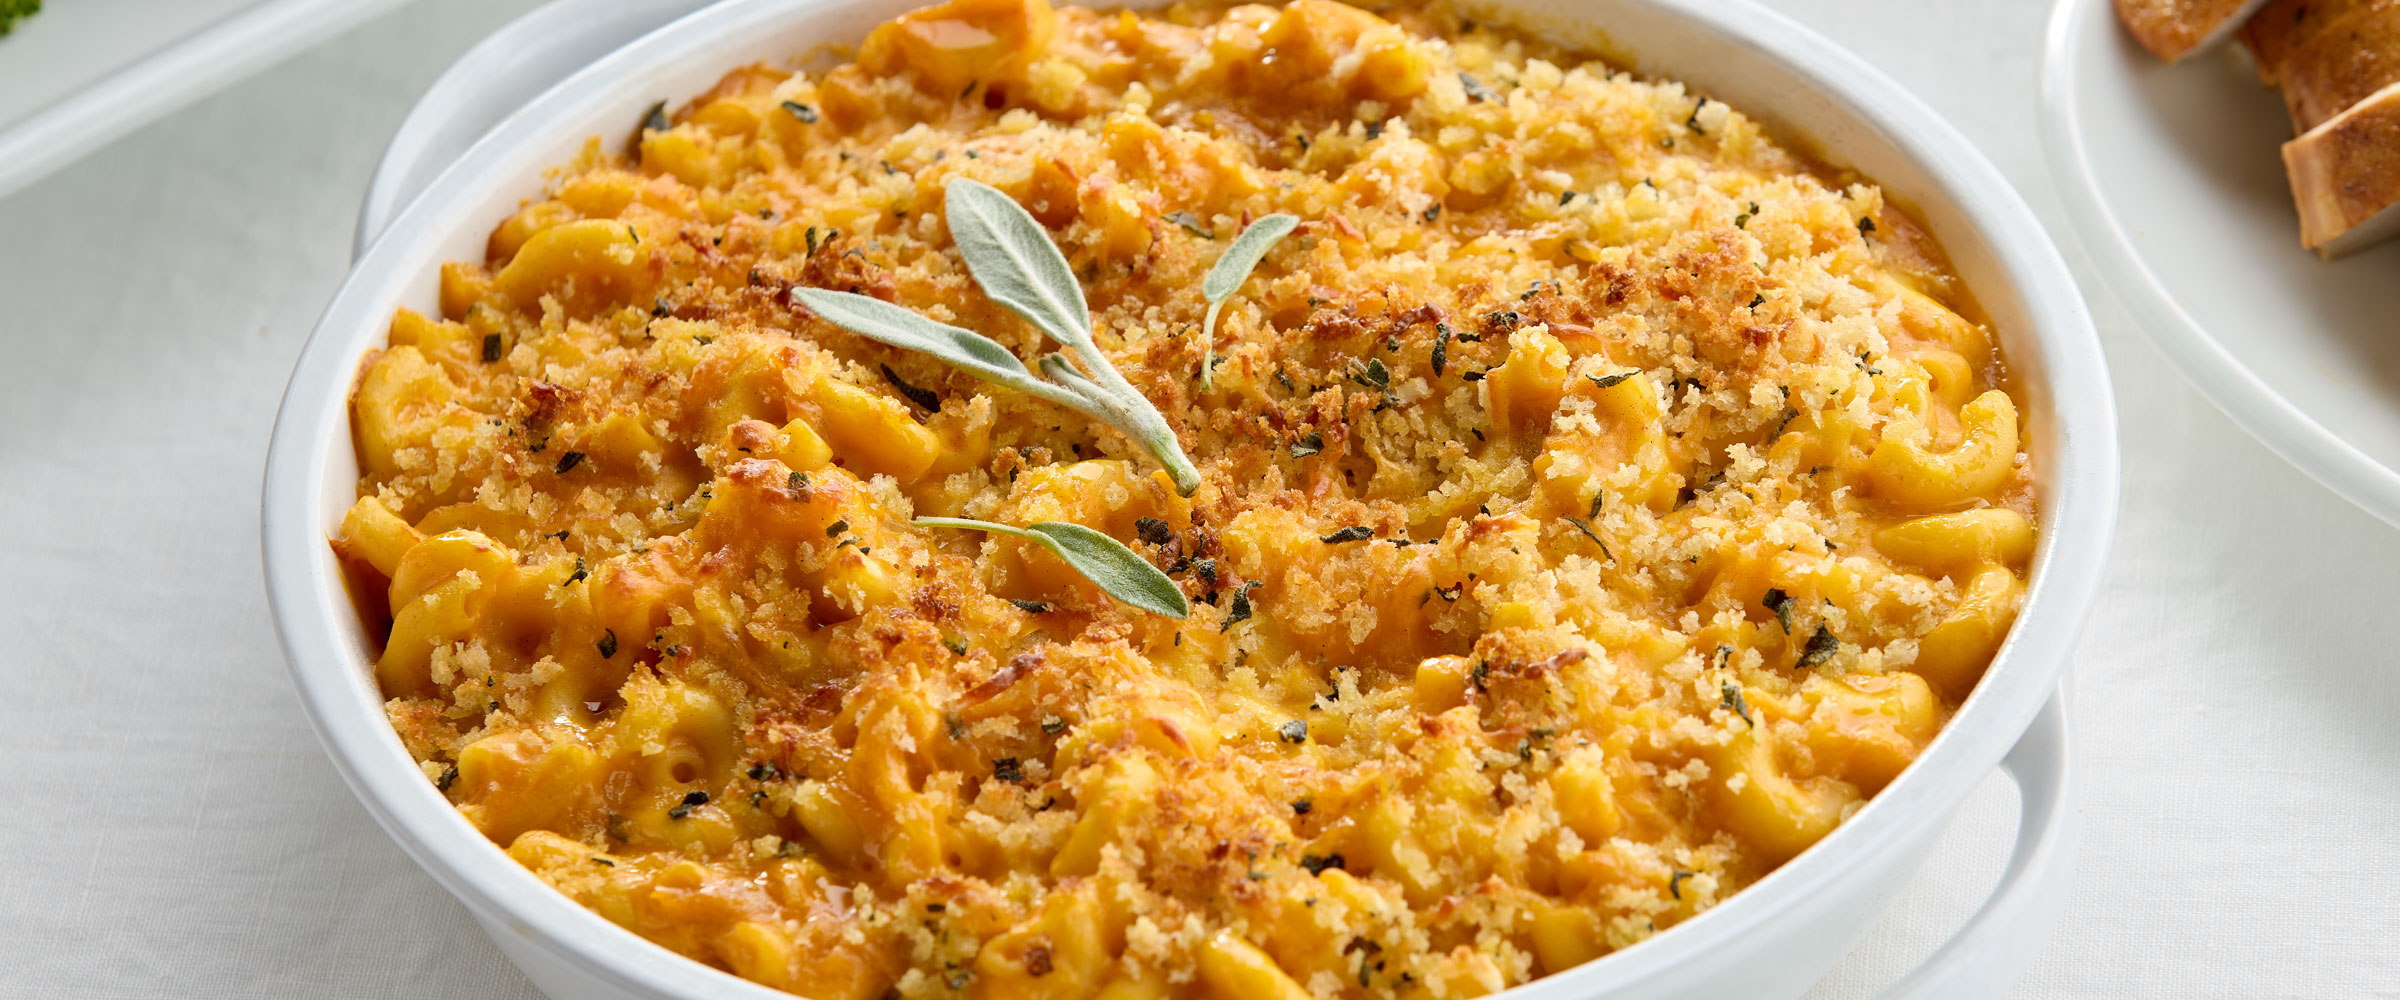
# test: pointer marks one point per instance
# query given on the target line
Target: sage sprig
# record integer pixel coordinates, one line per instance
(1016, 265)
(1232, 268)
(1101, 559)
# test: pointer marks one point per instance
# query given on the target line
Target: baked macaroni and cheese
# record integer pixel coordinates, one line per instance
(1584, 508)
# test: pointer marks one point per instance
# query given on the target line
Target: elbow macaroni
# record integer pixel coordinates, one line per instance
(1597, 509)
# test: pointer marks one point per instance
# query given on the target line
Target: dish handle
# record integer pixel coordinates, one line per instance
(501, 74)
(1995, 946)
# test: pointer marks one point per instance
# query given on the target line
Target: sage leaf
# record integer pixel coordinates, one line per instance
(1232, 268)
(1013, 259)
(1105, 561)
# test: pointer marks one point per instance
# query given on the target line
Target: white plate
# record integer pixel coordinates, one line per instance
(83, 72)
(2174, 181)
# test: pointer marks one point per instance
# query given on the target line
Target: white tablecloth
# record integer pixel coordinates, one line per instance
(169, 827)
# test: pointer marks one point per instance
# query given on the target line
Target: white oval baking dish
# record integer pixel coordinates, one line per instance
(1772, 940)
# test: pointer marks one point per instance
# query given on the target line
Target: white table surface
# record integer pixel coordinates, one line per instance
(169, 827)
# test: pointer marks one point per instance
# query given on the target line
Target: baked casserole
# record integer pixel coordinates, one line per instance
(1595, 504)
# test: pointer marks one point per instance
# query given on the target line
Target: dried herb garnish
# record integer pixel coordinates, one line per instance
(798, 482)
(761, 772)
(1441, 347)
(568, 461)
(806, 114)
(1053, 725)
(1693, 122)
(607, 644)
(1473, 376)
(684, 808)
(1865, 225)
(1731, 694)
(1294, 732)
(1241, 604)
(1374, 376)
(618, 829)
(1433, 211)
(1226, 276)
(836, 528)
(1477, 93)
(1605, 381)
(1780, 603)
(655, 119)
(449, 777)
(1191, 224)
(1153, 530)
(926, 399)
(1567, 196)
(1742, 220)
(1317, 863)
(1585, 527)
(491, 347)
(1675, 882)
(956, 645)
(1353, 533)
(1308, 444)
(1034, 607)
(1452, 592)
(1007, 769)
(1300, 807)
(579, 574)
(1820, 648)
(1757, 299)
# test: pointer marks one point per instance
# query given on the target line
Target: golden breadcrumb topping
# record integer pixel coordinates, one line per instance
(1598, 504)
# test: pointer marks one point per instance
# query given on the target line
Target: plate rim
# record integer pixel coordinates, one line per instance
(2253, 405)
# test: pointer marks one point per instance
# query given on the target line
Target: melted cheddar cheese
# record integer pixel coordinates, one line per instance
(1600, 503)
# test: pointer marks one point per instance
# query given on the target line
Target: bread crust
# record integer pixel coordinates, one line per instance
(2173, 29)
(2345, 175)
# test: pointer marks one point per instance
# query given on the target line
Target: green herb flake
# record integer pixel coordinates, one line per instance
(1353, 533)
(1300, 807)
(1781, 604)
(1031, 607)
(607, 644)
(655, 119)
(1241, 604)
(1607, 381)
(618, 829)
(579, 574)
(836, 528)
(568, 462)
(1308, 444)
(684, 808)
(1317, 863)
(491, 347)
(1441, 347)
(1007, 769)
(1153, 531)
(449, 777)
(1191, 224)
(1731, 697)
(1675, 882)
(956, 645)
(806, 114)
(1053, 725)
(1586, 528)
(1820, 647)
(926, 399)
(1477, 93)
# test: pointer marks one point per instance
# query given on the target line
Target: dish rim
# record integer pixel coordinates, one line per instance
(2079, 457)
(2245, 398)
